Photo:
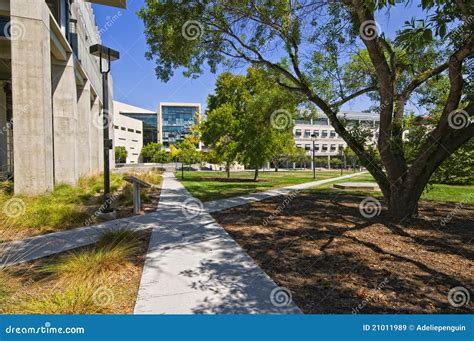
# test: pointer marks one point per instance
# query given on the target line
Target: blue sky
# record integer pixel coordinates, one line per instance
(134, 76)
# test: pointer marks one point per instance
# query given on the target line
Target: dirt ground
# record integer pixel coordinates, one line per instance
(335, 261)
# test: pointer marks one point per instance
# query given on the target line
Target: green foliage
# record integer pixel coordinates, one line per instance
(152, 152)
(121, 154)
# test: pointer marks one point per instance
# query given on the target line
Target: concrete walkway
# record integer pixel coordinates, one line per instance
(223, 204)
(193, 266)
(32, 248)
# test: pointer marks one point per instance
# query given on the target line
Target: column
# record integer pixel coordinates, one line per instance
(31, 97)
(84, 131)
(65, 122)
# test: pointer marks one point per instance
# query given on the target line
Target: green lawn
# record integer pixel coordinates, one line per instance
(212, 189)
(436, 192)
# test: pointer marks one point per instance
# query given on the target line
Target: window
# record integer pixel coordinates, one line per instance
(333, 148)
(324, 133)
(316, 147)
(298, 132)
(333, 133)
(325, 147)
(138, 131)
(341, 147)
(316, 133)
(130, 130)
(307, 147)
(298, 146)
(307, 133)
(134, 140)
(116, 127)
(122, 128)
(320, 122)
(121, 138)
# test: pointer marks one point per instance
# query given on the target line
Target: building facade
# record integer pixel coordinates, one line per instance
(50, 92)
(175, 121)
(128, 132)
(327, 142)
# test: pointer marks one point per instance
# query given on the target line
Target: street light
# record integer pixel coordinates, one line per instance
(109, 55)
(313, 136)
(340, 153)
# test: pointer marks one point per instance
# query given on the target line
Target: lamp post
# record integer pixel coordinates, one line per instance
(313, 136)
(340, 153)
(109, 55)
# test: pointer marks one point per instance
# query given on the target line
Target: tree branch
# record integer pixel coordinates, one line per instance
(354, 95)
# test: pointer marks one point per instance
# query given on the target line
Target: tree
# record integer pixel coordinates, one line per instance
(151, 151)
(333, 53)
(121, 154)
(219, 133)
(187, 149)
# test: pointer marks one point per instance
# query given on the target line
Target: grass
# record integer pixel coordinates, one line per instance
(102, 278)
(208, 186)
(435, 192)
(65, 207)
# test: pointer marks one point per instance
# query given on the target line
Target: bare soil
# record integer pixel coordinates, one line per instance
(333, 260)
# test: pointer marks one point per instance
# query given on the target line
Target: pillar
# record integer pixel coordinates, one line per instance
(84, 132)
(31, 97)
(65, 122)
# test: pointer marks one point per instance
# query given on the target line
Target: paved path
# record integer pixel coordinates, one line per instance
(193, 266)
(222, 204)
(32, 248)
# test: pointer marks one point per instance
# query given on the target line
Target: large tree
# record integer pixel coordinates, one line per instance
(333, 53)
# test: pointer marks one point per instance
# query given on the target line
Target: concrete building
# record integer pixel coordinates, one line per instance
(128, 132)
(147, 117)
(327, 142)
(51, 98)
(175, 120)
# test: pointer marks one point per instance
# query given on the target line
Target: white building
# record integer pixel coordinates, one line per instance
(129, 131)
(175, 121)
(326, 141)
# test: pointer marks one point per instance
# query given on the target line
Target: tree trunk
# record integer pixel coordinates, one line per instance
(227, 169)
(256, 174)
(276, 166)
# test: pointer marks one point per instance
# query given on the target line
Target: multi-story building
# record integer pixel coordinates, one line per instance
(128, 132)
(50, 106)
(175, 121)
(326, 141)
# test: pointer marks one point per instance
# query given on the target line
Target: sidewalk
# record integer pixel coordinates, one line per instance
(32, 248)
(223, 204)
(193, 266)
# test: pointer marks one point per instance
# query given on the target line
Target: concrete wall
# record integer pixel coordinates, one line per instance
(32, 105)
(57, 97)
(3, 131)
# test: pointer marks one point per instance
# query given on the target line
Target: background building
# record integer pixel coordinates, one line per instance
(327, 141)
(175, 121)
(147, 117)
(128, 132)
(50, 92)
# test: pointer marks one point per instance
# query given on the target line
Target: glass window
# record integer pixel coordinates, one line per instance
(333, 133)
(325, 147)
(324, 133)
(298, 132)
(307, 147)
(333, 148)
(307, 133)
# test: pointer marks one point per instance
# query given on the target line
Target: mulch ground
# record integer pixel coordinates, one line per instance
(335, 261)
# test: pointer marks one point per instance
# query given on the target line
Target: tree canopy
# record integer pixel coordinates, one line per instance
(332, 53)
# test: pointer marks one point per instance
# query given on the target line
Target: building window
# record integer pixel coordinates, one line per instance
(138, 131)
(298, 133)
(116, 127)
(123, 128)
(307, 147)
(333, 133)
(307, 133)
(341, 147)
(316, 133)
(320, 122)
(121, 138)
(316, 147)
(325, 147)
(324, 133)
(298, 146)
(333, 148)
